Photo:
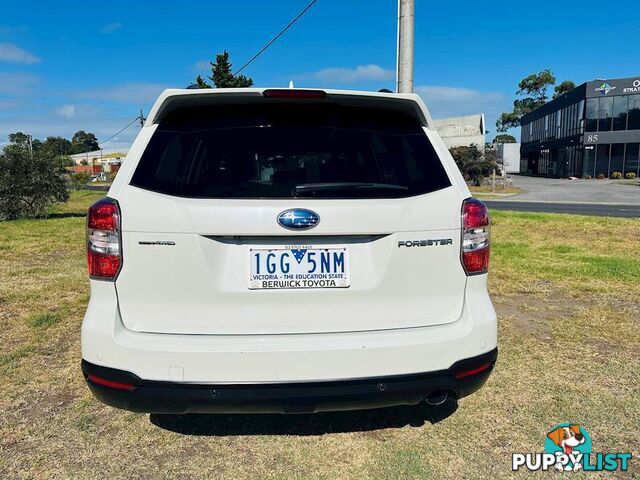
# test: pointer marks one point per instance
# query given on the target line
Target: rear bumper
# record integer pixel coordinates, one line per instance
(278, 359)
(139, 395)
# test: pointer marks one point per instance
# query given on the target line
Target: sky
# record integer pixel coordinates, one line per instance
(68, 66)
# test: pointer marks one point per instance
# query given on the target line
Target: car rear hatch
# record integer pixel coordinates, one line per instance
(211, 234)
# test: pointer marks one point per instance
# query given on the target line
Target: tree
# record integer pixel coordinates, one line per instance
(563, 87)
(504, 139)
(79, 179)
(533, 94)
(27, 141)
(536, 84)
(19, 138)
(30, 180)
(506, 121)
(59, 148)
(201, 82)
(473, 165)
(222, 76)
(84, 142)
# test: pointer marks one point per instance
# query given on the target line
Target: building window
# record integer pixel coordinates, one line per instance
(575, 161)
(589, 161)
(543, 165)
(620, 112)
(617, 158)
(580, 118)
(539, 129)
(546, 127)
(602, 159)
(632, 158)
(592, 115)
(604, 114)
(634, 113)
(571, 120)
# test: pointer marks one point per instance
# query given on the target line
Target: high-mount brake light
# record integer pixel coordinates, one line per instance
(475, 247)
(103, 240)
(293, 93)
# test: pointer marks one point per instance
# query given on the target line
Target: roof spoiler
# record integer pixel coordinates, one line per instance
(174, 99)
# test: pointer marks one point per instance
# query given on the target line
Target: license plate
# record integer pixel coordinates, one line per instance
(299, 267)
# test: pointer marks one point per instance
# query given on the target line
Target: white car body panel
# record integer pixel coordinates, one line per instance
(208, 291)
(184, 313)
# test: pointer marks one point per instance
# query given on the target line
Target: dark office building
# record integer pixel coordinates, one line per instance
(591, 130)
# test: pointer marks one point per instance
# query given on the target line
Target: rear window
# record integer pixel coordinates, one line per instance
(284, 150)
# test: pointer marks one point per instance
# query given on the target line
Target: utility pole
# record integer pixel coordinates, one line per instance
(142, 119)
(404, 61)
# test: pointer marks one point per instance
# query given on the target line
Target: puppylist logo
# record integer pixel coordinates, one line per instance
(568, 448)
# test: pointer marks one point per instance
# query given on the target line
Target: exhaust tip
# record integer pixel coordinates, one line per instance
(437, 398)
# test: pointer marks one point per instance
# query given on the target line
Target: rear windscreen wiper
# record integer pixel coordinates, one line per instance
(311, 188)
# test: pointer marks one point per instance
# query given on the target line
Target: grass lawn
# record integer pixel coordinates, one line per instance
(566, 289)
(78, 203)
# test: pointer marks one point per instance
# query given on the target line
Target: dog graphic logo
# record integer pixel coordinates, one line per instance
(565, 440)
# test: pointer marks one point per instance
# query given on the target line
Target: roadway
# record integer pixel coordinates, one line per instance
(609, 198)
(598, 209)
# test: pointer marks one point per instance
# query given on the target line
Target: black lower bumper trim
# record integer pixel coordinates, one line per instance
(171, 397)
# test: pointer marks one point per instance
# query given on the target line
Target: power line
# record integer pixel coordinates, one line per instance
(120, 131)
(140, 118)
(276, 37)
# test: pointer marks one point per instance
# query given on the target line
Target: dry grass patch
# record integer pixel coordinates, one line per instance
(497, 189)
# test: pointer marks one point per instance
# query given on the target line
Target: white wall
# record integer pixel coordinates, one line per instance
(466, 141)
(509, 156)
(462, 131)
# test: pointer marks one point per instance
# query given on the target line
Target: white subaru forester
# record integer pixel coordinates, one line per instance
(287, 250)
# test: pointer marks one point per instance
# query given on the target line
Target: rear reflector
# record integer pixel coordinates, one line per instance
(294, 93)
(477, 261)
(111, 384)
(475, 247)
(471, 371)
(103, 240)
(102, 265)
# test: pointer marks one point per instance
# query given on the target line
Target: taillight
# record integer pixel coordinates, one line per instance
(103, 239)
(475, 237)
